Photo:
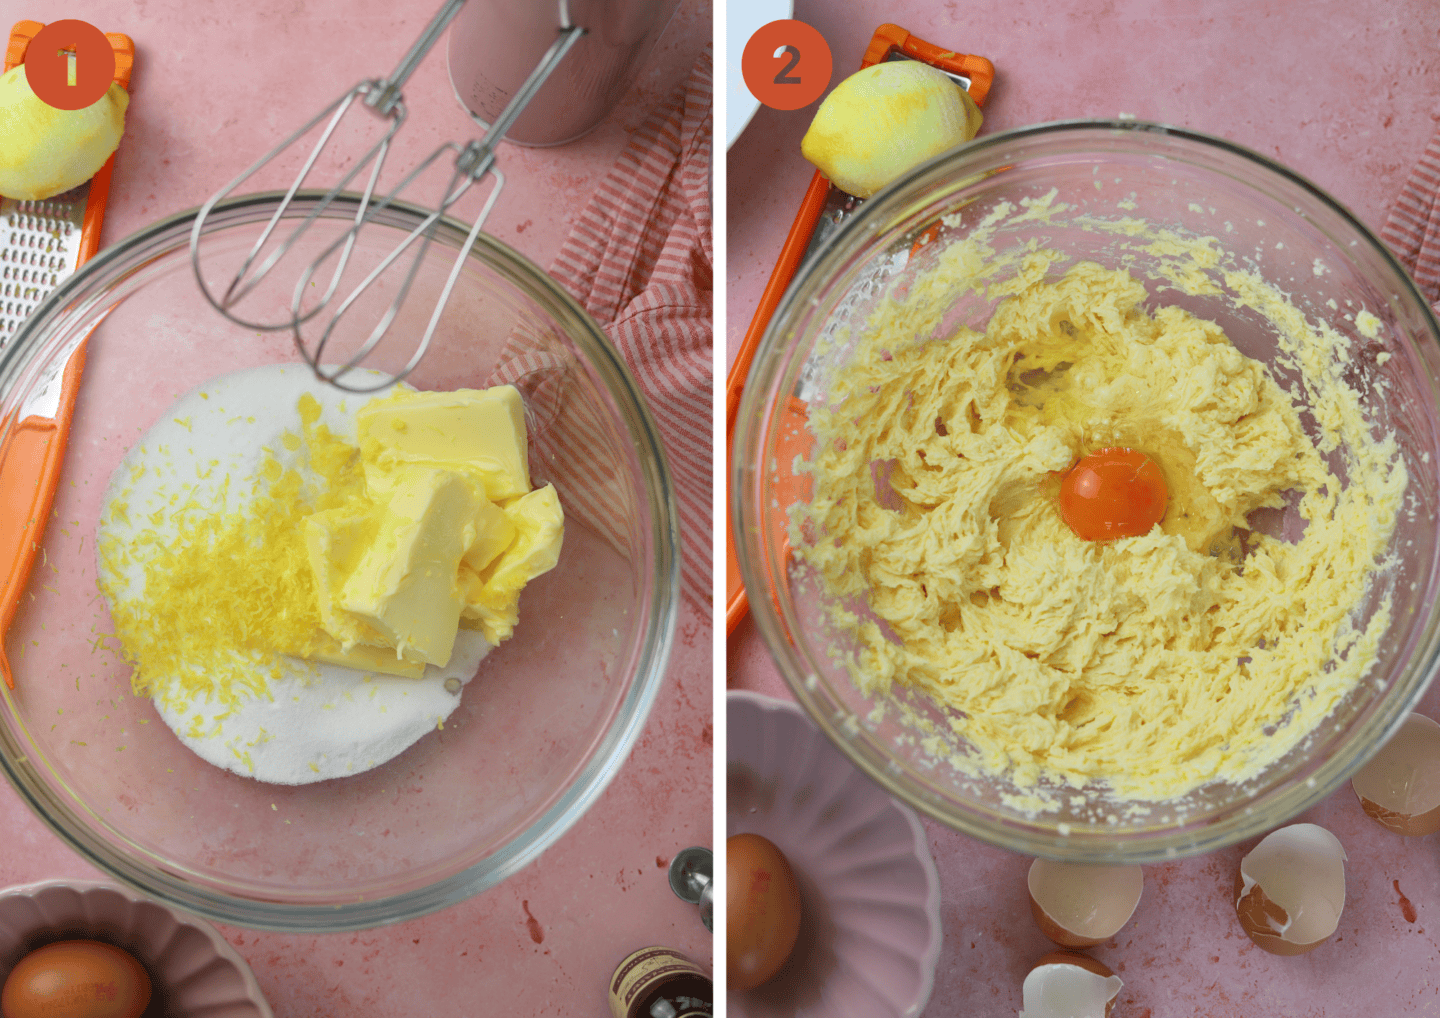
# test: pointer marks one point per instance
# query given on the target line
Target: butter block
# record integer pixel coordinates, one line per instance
(379, 481)
(364, 659)
(540, 529)
(493, 534)
(492, 596)
(406, 584)
(480, 432)
(336, 540)
(446, 529)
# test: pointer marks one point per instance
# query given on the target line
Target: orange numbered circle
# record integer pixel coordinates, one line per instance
(69, 64)
(786, 65)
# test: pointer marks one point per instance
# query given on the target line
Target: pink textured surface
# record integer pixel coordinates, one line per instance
(1345, 94)
(216, 85)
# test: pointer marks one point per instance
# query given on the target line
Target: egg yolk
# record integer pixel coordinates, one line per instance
(1113, 493)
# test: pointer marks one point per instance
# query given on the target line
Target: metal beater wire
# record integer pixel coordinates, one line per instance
(381, 96)
(427, 229)
(240, 287)
(472, 163)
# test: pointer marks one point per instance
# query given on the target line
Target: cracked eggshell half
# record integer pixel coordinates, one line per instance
(1067, 985)
(1290, 889)
(1400, 787)
(1078, 905)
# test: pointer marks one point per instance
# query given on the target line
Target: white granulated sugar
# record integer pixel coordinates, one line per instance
(338, 722)
(320, 721)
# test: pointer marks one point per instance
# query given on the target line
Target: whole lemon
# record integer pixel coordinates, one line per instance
(883, 120)
(44, 151)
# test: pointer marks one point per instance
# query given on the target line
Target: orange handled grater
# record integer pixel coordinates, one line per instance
(41, 244)
(822, 210)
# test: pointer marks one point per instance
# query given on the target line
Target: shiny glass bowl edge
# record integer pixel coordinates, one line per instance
(757, 412)
(26, 356)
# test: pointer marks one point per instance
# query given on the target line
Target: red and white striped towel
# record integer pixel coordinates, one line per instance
(640, 260)
(1413, 228)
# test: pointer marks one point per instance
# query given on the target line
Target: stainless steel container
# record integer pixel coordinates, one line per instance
(495, 44)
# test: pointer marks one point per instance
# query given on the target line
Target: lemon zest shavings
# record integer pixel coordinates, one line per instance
(234, 584)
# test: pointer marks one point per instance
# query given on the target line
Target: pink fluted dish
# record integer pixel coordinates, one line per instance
(193, 970)
(870, 928)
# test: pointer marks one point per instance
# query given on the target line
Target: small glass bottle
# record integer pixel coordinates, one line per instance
(656, 982)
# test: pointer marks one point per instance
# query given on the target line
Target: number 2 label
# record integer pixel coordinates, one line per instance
(786, 64)
(784, 78)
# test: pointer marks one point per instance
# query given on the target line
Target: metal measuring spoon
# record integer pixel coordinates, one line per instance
(691, 878)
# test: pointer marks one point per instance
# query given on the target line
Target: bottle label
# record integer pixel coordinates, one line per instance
(643, 972)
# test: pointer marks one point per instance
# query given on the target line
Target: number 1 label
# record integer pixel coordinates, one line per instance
(69, 64)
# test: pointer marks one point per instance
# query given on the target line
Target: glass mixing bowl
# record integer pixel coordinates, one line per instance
(542, 729)
(1269, 219)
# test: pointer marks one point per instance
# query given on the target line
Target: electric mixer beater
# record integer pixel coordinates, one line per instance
(381, 98)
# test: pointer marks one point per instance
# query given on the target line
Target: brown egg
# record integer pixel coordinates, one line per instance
(76, 979)
(762, 916)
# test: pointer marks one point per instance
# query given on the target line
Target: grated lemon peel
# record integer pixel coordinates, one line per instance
(238, 581)
(236, 678)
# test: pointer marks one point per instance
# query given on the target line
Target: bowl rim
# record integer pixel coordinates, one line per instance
(929, 960)
(631, 712)
(222, 947)
(890, 201)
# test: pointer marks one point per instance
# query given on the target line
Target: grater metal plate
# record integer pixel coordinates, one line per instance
(39, 248)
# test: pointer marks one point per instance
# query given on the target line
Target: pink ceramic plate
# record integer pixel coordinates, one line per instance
(870, 932)
(194, 971)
